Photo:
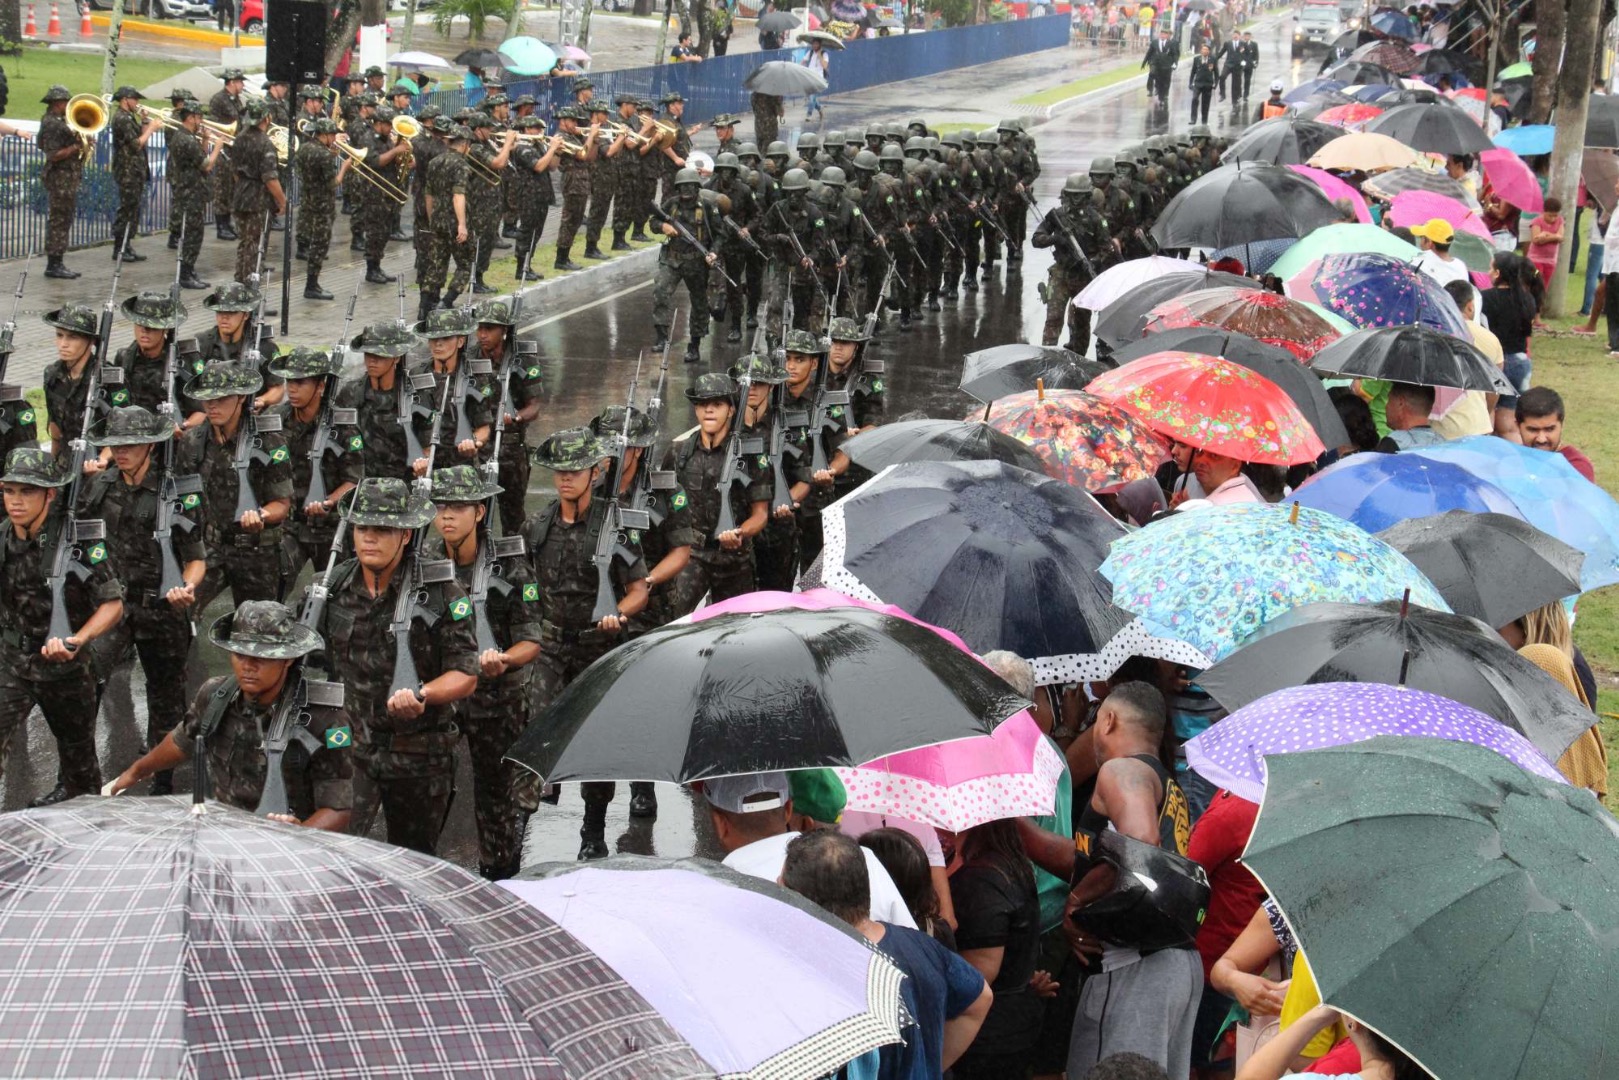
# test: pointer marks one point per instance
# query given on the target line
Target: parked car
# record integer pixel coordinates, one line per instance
(251, 16)
(161, 9)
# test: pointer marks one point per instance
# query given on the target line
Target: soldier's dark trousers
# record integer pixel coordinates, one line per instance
(573, 215)
(1061, 288)
(162, 640)
(484, 221)
(712, 572)
(189, 221)
(503, 794)
(70, 703)
(59, 219)
(513, 480)
(375, 215)
(775, 556)
(413, 788)
(529, 228)
(224, 188)
(602, 190)
(1017, 228)
(125, 225)
(670, 275)
(314, 237)
(249, 227)
(627, 204)
(250, 573)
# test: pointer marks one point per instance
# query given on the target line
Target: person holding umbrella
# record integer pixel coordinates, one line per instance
(1378, 1057)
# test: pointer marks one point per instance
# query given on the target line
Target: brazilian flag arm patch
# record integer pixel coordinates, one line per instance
(278, 455)
(679, 500)
(356, 443)
(460, 609)
(531, 593)
(339, 738)
(191, 502)
(98, 554)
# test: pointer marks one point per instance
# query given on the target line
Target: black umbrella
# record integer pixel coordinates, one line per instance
(1602, 122)
(1445, 61)
(937, 440)
(1449, 655)
(1318, 103)
(1125, 319)
(1412, 354)
(1438, 129)
(1278, 365)
(760, 691)
(1011, 369)
(1004, 557)
(143, 939)
(1344, 44)
(777, 22)
(1359, 72)
(784, 79)
(1241, 203)
(1490, 567)
(1283, 140)
(1412, 95)
(480, 58)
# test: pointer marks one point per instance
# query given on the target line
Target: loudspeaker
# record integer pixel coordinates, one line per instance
(295, 41)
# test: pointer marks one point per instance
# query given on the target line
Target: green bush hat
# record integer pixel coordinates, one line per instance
(303, 362)
(385, 339)
(610, 425)
(386, 502)
(35, 467)
(265, 629)
(224, 380)
(76, 319)
(571, 450)
(712, 386)
(232, 297)
(758, 369)
(154, 309)
(446, 322)
(461, 484)
(130, 425)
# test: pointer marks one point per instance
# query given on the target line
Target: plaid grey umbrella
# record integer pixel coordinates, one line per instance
(140, 939)
(1395, 181)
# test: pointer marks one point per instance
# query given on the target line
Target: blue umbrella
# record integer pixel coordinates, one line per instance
(1307, 90)
(1256, 257)
(1376, 491)
(1371, 92)
(527, 56)
(1394, 24)
(1549, 494)
(1376, 290)
(1528, 139)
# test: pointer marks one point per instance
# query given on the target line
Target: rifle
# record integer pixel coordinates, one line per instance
(1068, 233)
(648, 479)
(820, 417)
(736, 230)
(610, 541)
(877, 240)
(980, 213)
(686, 235)
(331, 417)
(486, 575)
(250, 449)
(730, 470)
(942, 227)
(463, 389)
(508, 356)
(408, 607)
(409, 409)
(173, 488)
(781, 491)
(8, 392)
(798, 250)
(425, 481)
(868, 362)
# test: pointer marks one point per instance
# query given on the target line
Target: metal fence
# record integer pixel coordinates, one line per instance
(711, 87)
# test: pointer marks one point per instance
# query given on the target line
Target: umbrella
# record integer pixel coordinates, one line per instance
(1523, 70)
(1364, 151)
(1081, 439)
(1375, 290)
(777, 22)
(815, 996)
(1136, 639)
(1213, 404)
(784, 79)
(1231, 754)
(968, 546)
(1350, 117)
(1602, 122)
(830, 41)
(1396, 182)
(1415, 207)
(1438, 129)
(1240, 203)
(1319, 103)
(1552, 496)
(1512, 179)
(1394, 24)
(1446, 61)
(1300, 384)
(1265, 316)
(1284, 140)
(1213, 577)
(527, 56)
(419, 60)
(1528, 140)
(1396, 56)
(1360, 73)
(878, 447)
(1125, 319)
(1368, 93)
(1341, 239)
(1376, 491)
(1492, 567)
(1449, 655)
(1012, 369)
(1475, 253)
(478, 58)
(1257, 257)
(1202, 5)
(746, 693)
(1334, 189)
(571, 52)
(1449, 900)
(1306, 91)
(1011, 773)
(143, 939)
(1412, 354)
(1123, 278)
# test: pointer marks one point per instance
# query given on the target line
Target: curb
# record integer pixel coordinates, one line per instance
(545, 298)
(189, 33)
(1051, 112)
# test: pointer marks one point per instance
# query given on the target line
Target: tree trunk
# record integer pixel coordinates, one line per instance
(1549, 32)
(115, 33)
(1573, 102)
(705, 28)
(340, 36)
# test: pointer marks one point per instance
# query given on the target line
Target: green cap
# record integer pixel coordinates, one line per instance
(303, 362)
(446, 322)
(154, 309)
(712, 386)
(386, 502)
(127, 92)
(846, 329)
(232, 74)
(130, 426)
(385, 339)
(224, 380)
(325, 126)
(461, 484)
(35, 467)
(802, 341)
(75, 318)
(759, 369)
(233, 297)
(57, 92)
(610, 424)
(493, 312)
(571, 450)
(265, 629)
(818, 794)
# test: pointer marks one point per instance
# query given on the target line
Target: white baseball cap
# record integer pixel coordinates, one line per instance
(1277, 86)
(748, 794)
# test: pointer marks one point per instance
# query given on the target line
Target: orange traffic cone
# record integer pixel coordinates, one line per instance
(85, 29)
(54, 27)
(30, 28)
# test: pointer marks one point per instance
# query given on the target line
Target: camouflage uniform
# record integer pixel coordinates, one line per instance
(867, 403)
(503, 793)
(631, 191)
(19, 421)
(680, 263)
(407, 767)
(225, 108)
(142, 375)
(484, 202)
(129, 169)
(766, 117)
(309, 540)
(734, 252)
(604, 177)
(776, 550)
(576, 181)
(424, 148)
(667, 169)
(214, 349)
(534, 194)
(61, 181)
(64, 394)
(317, 209)
(67, 693)
(562, 556)
(1077, 218)
(249, 563)
(188, 194)
(253, 158)
(384, 450)
(525, 385)
(447, 177)
(477, 402)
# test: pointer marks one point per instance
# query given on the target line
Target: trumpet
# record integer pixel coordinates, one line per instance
(388, 188)
(87, 116)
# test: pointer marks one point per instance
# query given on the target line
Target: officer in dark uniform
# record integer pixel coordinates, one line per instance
(310, 376)
(78, 328)
(230, 714)
(64, 169)
(375, 397)
(523, 393)
(1073, 223)
(157, 623)
(404, 739)
(562, 541)
(244, 549)
(506, 601)
(36, 669)
(471, 397)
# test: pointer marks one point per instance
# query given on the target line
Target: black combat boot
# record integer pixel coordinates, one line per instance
(638, 234)
(594, 252)
(618, 242)
(356, 242)
(224, 230)
(643, 802)
(174, 241)
(933, 300)
(564, 262)
(663, 338)
(528, 273)
(694, 350)
(56, 268)
(481, 289)
(189, 278)
(736, 328)
(905, 320)
(313, 291)
(425, 306)
(301, 253)
(375, 276)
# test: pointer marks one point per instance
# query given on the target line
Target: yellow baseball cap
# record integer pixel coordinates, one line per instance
(1437, 230)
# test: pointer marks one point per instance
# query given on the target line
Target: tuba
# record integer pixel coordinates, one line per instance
(87, 116)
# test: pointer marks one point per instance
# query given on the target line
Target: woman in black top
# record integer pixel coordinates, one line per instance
(1509, 309)
(1202, 83)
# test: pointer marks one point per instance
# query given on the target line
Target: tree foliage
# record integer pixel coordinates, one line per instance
(476, 12)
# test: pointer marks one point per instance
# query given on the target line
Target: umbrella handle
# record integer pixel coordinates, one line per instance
(1405, 667)
(1040, 389)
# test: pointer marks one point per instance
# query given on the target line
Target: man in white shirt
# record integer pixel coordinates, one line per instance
(750, 816)
(1434, 237)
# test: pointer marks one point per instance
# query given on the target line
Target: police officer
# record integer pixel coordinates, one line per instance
(36, 669)
(189, 167)
(319, 177)
(375, 397)
(454, 398)
(521, 398)
(231, 713)
(129, 168)
(156, 622)
(404, 738)
(309, 375)
(233, 306)
(78, 328)
(244, 549)
(562, 541)
(1081, 247)
(681, 263)
(64, 168)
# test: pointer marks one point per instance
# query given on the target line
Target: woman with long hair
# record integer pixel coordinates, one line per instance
(1509, 308)
(902, 856)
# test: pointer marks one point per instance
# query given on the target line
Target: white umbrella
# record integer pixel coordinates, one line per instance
(419, 60)
(1126, 277)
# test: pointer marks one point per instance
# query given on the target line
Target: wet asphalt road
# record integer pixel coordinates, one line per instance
(594, 348)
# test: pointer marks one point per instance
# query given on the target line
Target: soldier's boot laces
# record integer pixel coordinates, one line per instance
(189, 278)
(618, 242)
(313, 291)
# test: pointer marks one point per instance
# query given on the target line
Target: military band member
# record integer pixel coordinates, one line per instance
(64, 168)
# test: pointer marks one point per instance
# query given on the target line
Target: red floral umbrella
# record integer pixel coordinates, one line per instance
(1350, 117)
(1211, 403)
(1268, 316)
(1081, 439)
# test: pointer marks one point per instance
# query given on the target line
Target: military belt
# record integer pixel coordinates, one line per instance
(21, 641)
(214, 536)
(433, 740)
(551, 632)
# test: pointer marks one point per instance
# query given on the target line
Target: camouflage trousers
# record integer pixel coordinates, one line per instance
(530, 224)
(161, 638)
(693, 273)
(375, 218)
(513, 480)
(559, 663)
(483, 221)
(185, 220)
(315, 235)
(714, 573)
(249, 228)
(127, 222)
(411, 779)
(775, 555)
(765, 126)
(603, 191)
(250, 573)
(734, 260)
(61, 198)
(224, 188)
(503, 793)
(573, 215)
(1016, 220)
(1061, 288)
(70, 703)
(437, 265)
(632, 193)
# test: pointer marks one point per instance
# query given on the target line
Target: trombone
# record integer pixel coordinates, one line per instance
(357, 159)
